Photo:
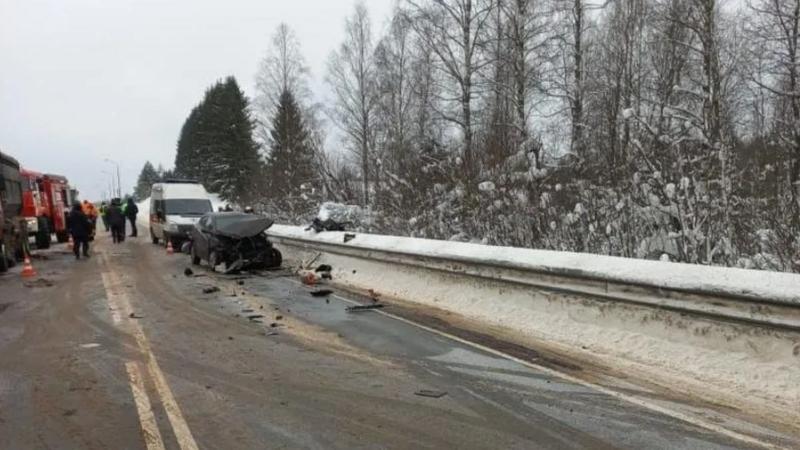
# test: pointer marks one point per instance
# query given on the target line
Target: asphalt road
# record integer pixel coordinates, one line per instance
(125, 351)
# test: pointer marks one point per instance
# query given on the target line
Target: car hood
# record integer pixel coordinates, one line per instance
(244, 227)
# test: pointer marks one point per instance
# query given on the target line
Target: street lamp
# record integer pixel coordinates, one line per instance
(110, 183)
(119, 183)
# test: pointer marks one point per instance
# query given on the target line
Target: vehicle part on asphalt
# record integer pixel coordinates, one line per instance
(363, 307)
(430, 393)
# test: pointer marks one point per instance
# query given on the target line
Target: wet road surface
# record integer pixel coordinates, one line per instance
(125, 351)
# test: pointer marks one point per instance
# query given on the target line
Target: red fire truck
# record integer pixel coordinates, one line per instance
(46, 201)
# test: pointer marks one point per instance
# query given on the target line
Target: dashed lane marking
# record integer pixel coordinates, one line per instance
(152, 437)
(118, 300)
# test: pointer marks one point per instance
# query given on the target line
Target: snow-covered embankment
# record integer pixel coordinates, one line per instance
(727, 335)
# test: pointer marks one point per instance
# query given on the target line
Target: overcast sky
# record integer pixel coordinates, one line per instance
(84, 80)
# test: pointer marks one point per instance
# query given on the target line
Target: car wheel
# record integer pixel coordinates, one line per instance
(3, 258)
(275, 258)
(213, 260)
(43, 236)
(195, 258)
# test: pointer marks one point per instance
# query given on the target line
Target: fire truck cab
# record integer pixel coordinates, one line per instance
(35, 207)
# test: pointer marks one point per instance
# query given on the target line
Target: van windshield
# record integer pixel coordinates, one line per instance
(187, 206)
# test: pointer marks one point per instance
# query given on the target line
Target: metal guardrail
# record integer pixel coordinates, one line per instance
(743, 309)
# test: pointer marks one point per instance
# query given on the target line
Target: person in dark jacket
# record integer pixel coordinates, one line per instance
(80, 227)
(131, 210)
(116, 220)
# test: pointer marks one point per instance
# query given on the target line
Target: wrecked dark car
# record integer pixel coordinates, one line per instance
(236, 241)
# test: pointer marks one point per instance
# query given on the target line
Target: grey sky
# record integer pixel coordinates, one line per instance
(84, 80)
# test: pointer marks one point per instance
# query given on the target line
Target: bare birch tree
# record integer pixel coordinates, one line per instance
(351, 75)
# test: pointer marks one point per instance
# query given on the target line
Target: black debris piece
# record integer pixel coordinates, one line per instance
(255, 316)
(363, 307)
(230, 338)
(188, 272)
(135, 316)
(210, 290)
(326, 276)
(430, 393)
(326, 225)
(278, 317)
(323, 268)
(247, 310)
(273, 325)
(321, 293)
(349, 237)
(240, 282)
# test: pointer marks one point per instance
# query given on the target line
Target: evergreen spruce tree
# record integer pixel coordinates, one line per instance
(290, 164)
(147, 177)
(216, 144)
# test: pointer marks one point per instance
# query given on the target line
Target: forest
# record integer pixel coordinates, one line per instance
(659, 129)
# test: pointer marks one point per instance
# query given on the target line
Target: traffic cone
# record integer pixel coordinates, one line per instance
(27, 268)
(169, 248)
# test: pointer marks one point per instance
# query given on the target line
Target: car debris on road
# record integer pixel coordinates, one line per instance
(430, 393)
(358, 308)
(321, 292)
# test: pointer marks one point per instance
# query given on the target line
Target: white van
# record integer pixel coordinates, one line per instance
(175, 207)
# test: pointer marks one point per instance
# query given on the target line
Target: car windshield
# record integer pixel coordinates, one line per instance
(187, 207)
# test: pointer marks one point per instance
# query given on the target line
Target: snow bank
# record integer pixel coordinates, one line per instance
(774, 286)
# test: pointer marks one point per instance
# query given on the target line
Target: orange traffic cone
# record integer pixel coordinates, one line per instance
(169, 248)
(27, 268)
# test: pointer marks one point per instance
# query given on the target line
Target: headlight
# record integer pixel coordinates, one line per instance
(33, 224)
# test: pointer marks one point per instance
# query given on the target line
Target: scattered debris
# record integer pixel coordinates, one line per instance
(198, 275)
(135, 316)
(230, 338)
(188, 272)
(247, 310)
(373, 295)
(210, 290)
(255, 316)
(240, 282)
(271, 333)
(70, 412)
(309, 278)
(363, 307)
(278, 317)
(326, 225)
(323, 268)
(39, 282)
(273, 325)
(321, 293)
(349, 237)
(430, 393)
(90, 345)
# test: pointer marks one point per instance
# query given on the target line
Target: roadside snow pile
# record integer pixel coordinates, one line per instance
(776, 286)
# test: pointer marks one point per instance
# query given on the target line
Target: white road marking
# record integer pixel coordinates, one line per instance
(118, 300)
(152, 437)
(618, 395)
(112, 304)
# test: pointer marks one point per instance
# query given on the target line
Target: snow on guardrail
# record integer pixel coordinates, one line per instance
(754, 284)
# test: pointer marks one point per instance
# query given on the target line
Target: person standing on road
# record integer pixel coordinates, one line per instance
(117, 221)
(131, 210)
(80, 227)
(91, 213)
(104, 215)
